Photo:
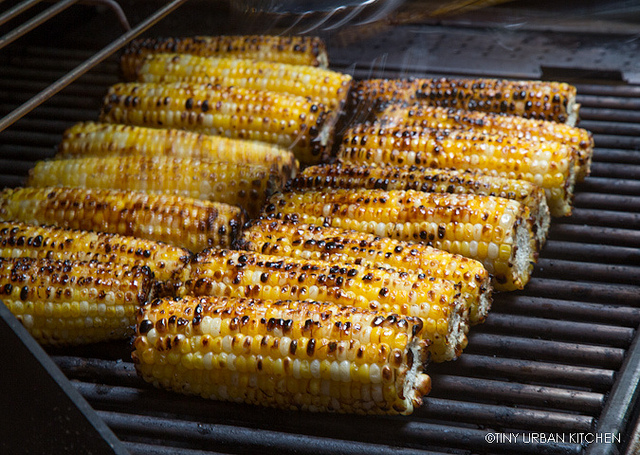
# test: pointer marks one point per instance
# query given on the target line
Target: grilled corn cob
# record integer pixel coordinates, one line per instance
(281, 238)
(294, 50)
(244, 185)
(71, 302)
(549, 165)
(232, 273)
(554, 101)
(426, 116)
(492, 230)
(285, 354)
(50, 242)
(184, 222)
(103, 139)
(297, 123)
(344, 175)
(325, 86)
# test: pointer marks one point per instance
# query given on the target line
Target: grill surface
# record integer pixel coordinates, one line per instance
(560, 357)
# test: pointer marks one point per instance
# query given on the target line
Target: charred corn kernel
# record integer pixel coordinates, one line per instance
(184, 222)
(327, 87)
(426, 116)
(232, 273)
(294, 50)
(103, 139)
(540, 100)
(304, 241)
(550, 165)
(244, 185)
(291, 379)
(430, 180)
(74, 302)
(432, 218)
(54, 243)
(299, 124)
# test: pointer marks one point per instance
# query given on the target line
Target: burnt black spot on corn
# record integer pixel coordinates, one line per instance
(74, 302)
(368, 370)
(437, 302)
(171, 219)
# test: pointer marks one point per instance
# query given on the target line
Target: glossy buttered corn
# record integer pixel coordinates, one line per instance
(294, 50)
(493, 230)
(325, 86)
(423, 115)
(240, 184)
(188, 223)
(430, 180)
(71, 302)
(55, 243)
(550, 165)
(86, 139)
(299, 124)
(286, 354)
(541, 100)
(231, 273)
(304, 241)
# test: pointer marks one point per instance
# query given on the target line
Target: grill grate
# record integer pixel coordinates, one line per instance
(557, 357)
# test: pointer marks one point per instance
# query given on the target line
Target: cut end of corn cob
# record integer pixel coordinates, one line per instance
(495, 231)
(187, 223)
(305, 241)
(286, 354)
(72, 302)
(295, 50)
(86, 139)
(438, 302)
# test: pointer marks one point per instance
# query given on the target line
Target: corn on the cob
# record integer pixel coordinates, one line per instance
(492, 230)
(531, 99)
(189, 223)
(285, 354)
(232, 273)
(325, 86)
(549, 165)
(304, 241)
(104, 139)
(345, 175)
(54, 243)
(294, 50)
(299, 124)
(426, 116)
(71, 302)
(244, 185)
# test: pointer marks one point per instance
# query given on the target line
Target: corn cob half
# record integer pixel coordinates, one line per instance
(425, 116)
(229, 273)
(295, 50)
(541, 100)
(345, 175)
(495, 231)
(297, 123)
(54, 243)
(549, 165)
(304, 241)
(71, 302)
(285, 354)
(243, 185)
(184, 222)
(86, 139)
(325, 86)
